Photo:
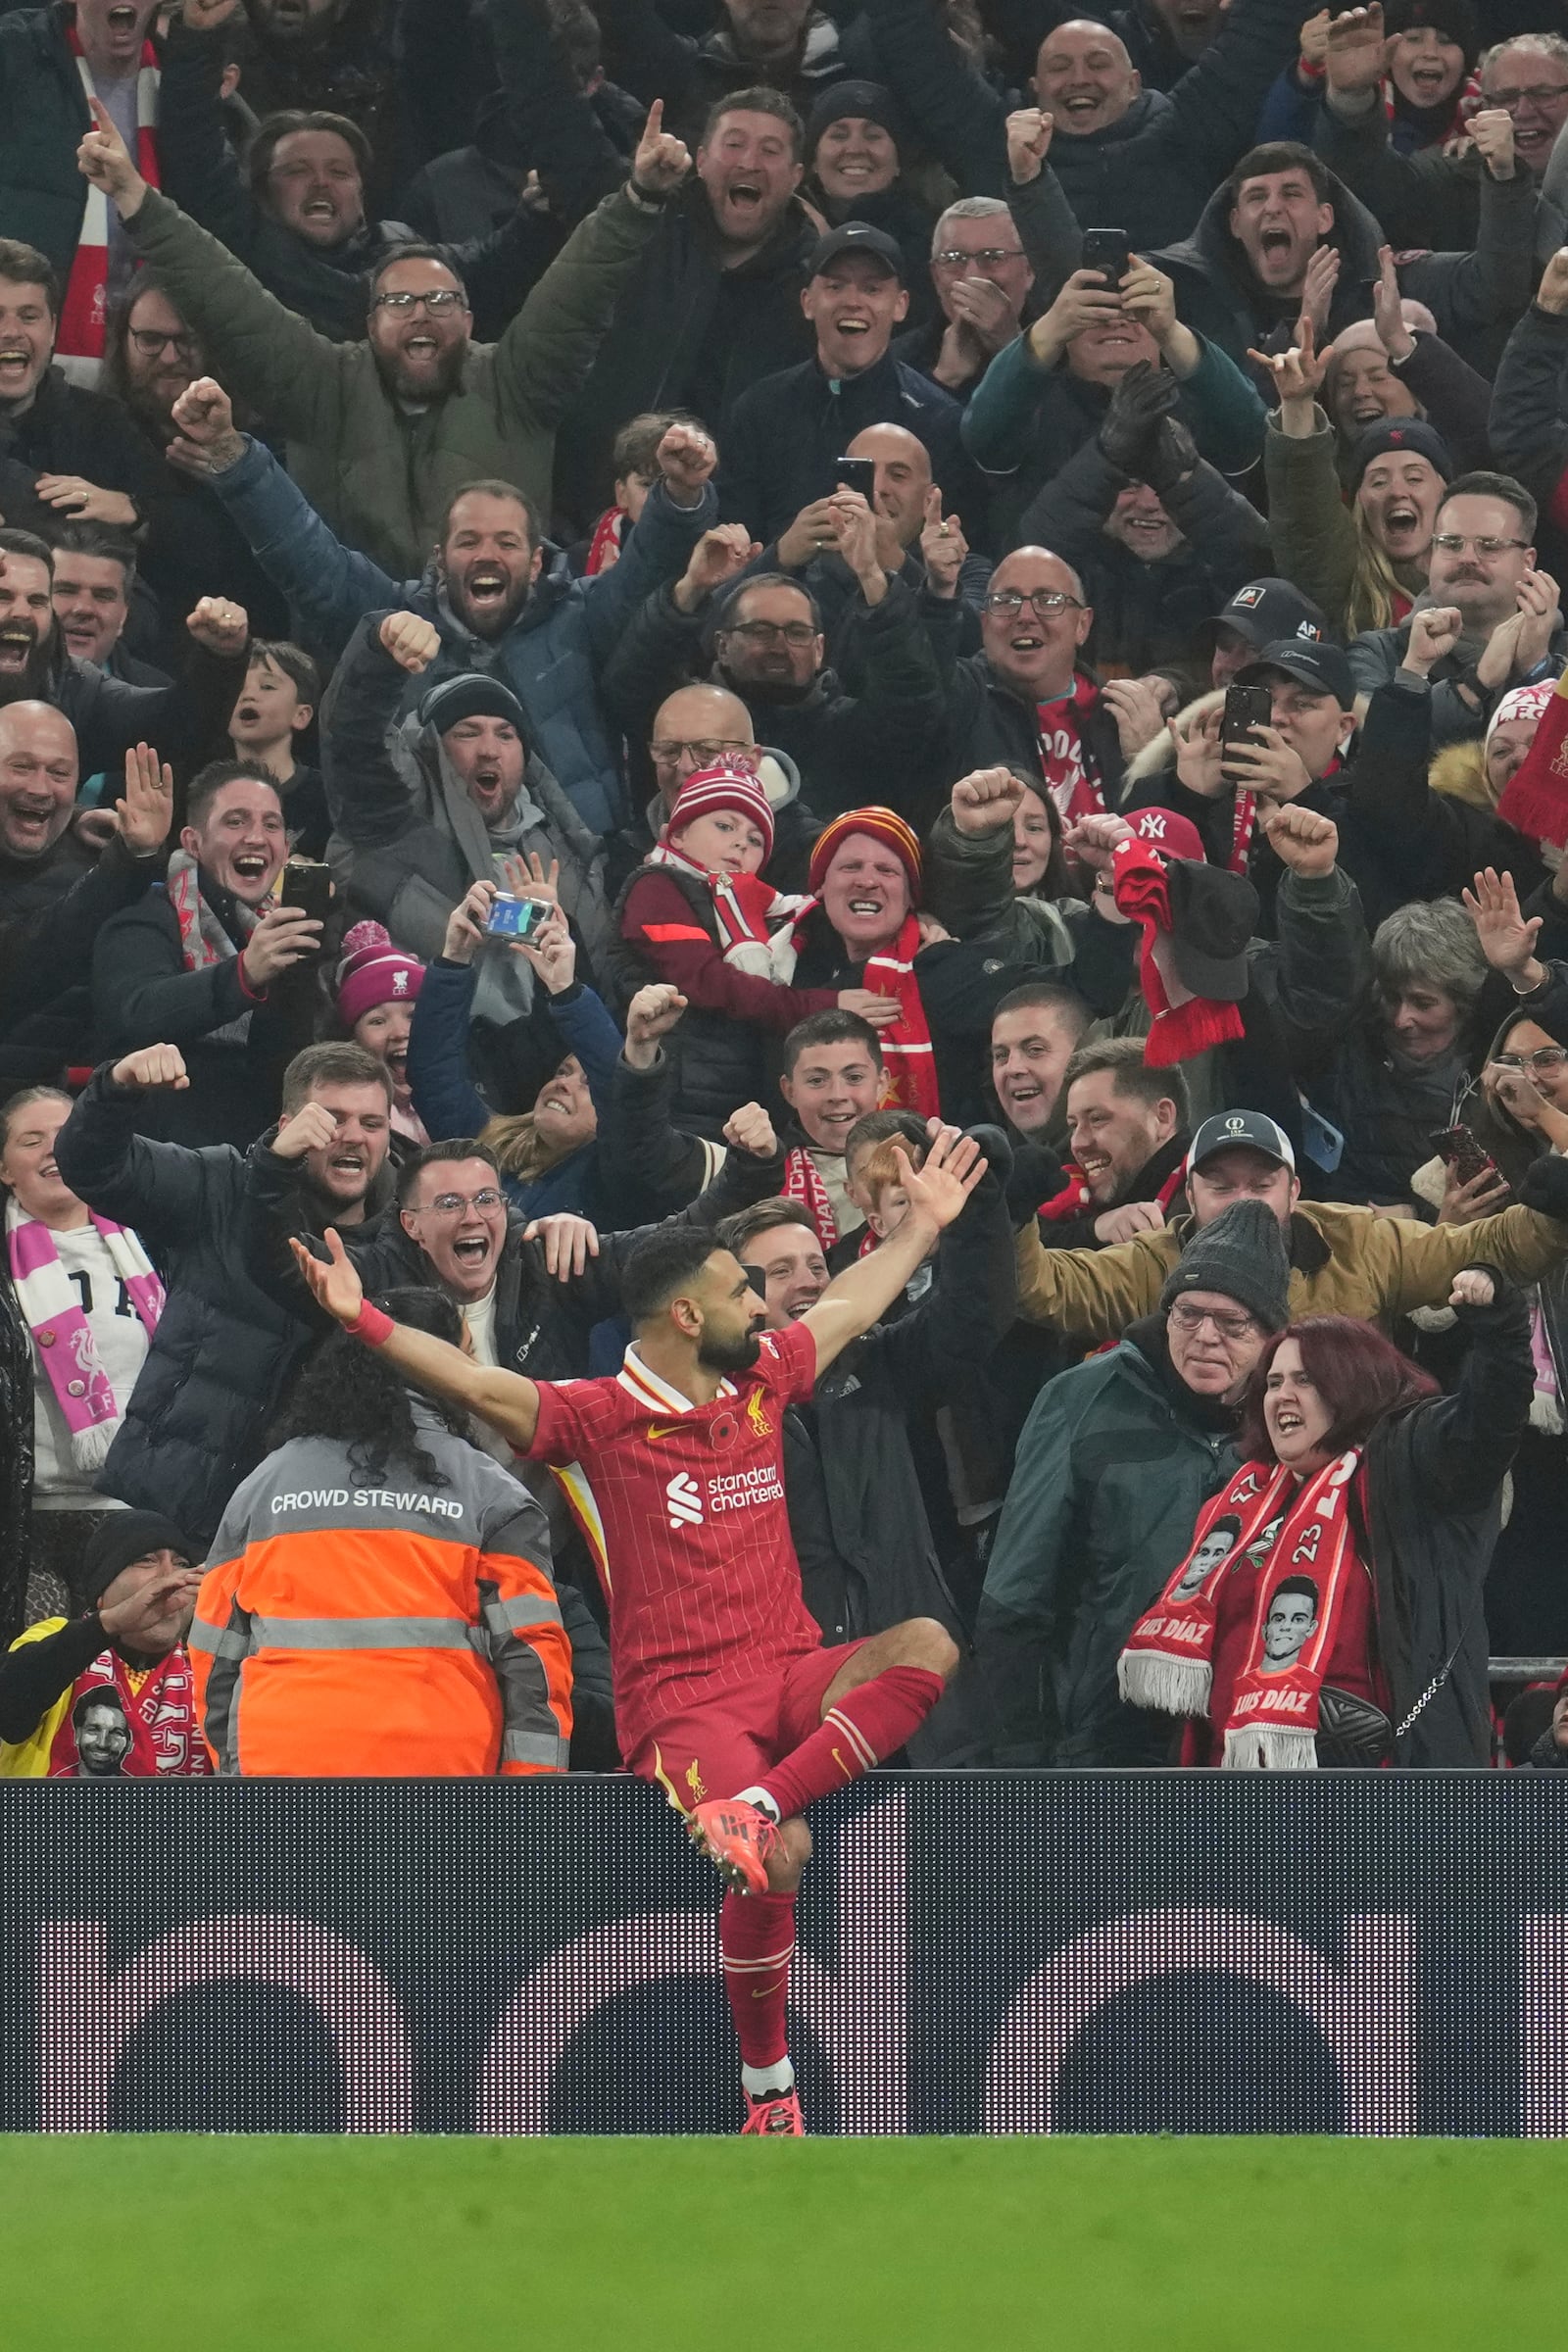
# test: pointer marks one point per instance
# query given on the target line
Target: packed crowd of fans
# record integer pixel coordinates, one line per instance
(612, 617)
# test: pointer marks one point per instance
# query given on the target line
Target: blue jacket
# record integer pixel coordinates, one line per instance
(551, 655)
(450, 1103)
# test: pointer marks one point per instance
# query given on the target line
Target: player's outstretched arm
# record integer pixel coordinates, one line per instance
(506, 1400)
(852, 1302)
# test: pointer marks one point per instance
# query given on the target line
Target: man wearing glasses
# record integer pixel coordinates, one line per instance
(1482, 577)
(1432, 199)
(1117, 1460)
(1024, 700)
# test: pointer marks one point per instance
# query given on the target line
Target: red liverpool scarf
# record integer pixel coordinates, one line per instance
(1073, 777)
(1535, 799)
(145, 1726)
(603, 549)
(803, 1182)
(1169, 1662)
(1182, 1024)
(84, 313)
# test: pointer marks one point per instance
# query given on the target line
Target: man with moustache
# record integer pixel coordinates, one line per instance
(108, 716)
(382, 433)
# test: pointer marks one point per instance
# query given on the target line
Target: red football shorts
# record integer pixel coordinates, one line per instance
(727, 1742)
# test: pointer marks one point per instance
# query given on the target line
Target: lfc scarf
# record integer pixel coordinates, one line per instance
(603, 549)
(745, 906)
(62, 1336)
(1535, 799)
(203, 940)
(803, 1182)
(1073, 777)
(1169, 1658)
(84, 311)
(908, 1059)
(1182, 1024)
(146, 1725)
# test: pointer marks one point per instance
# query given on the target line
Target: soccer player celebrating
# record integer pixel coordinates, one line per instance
(674, 1468)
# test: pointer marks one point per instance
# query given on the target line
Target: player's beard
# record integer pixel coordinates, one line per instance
(730, 1355)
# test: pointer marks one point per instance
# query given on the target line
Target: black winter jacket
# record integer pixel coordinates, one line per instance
(1475, 295)
(1151, 172)
(1148, 613)
(1529, 426)
(717, 1062)
(43, 119)
(989, 726)
(46, 964)
(217, 1363)
(785, 432)
(850, 749)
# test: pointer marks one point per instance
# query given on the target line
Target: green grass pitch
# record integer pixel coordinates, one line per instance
(641, 2245)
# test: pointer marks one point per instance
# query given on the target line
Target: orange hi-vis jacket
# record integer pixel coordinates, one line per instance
(383, 1626)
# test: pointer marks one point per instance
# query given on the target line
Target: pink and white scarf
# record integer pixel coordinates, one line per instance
(203, 940)
(84, 311)
(62, 1334)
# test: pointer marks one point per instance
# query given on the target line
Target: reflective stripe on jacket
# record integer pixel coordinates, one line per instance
(383, 1626)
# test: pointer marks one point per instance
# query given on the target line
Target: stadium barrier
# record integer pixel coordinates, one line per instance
(1367, 1954)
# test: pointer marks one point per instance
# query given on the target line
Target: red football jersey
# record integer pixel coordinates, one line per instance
(683, 1508)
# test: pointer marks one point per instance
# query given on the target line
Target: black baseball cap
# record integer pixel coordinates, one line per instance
(1212, 917)
(1322, 668)
(858, 236)
(1267, 608)
(1237, 1131)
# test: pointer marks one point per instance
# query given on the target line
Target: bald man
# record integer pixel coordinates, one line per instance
(910, 519)
(54, 896)
(1126, 156)
(1024, 700)
(698, 725)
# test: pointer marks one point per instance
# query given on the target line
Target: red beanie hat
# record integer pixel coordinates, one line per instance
(882, 824)
(725, 786)
(374, 972)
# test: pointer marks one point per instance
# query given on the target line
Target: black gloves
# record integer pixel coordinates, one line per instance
(1169, 457)
(1139, 405)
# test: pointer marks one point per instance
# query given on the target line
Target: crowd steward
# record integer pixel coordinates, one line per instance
(613, 626)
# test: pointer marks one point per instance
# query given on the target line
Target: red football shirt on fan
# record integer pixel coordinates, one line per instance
(683, 1508)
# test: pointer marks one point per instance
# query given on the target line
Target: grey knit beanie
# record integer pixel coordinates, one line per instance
(1242, 1257)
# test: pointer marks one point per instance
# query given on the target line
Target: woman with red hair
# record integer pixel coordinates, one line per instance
(1344, 1625)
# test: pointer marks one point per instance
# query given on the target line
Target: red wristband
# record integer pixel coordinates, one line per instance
(371, 1326)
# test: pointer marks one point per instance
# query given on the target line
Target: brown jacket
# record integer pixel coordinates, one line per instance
(1344, 1261)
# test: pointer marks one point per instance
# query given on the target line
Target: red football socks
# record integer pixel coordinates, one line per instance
(756, 1938)
(863, 1726)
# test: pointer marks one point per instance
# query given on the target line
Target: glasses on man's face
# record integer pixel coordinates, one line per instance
(453, 1204)
(440, 304)
(1545, 1061)
(1455, 542)
(152, 345)
(954, 258)
(768, 632)
(1191, 1320)
(1540, 93)
(702, 755)
(1043, 601)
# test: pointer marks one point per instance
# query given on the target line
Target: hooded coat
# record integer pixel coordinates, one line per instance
(1475, 295)
(409, 841)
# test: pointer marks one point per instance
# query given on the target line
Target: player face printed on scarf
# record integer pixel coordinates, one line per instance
(1294, 1414)
(1290, 1624)
(28, 1168)
(103, 1736)
(241, 842)
(865, 895)
(1215, 1546)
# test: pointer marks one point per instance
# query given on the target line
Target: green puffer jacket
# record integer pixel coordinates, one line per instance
(382, 475)
(1316, 547)
(1114, 1464)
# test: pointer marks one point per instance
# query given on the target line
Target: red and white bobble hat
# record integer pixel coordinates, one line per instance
(725, 785)
(374, 972)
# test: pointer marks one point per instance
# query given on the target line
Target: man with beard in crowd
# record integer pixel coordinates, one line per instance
(192, 546)
(382, 433)
(336, 56)
(498, 593)
(768, 649)
(106, 716)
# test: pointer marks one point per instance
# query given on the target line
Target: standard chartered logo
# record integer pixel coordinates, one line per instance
(683, 1502)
